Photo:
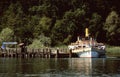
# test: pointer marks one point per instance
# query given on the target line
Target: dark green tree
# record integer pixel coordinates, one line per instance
(112, 27)
(13, 18)
(96, 26)
(43, 27)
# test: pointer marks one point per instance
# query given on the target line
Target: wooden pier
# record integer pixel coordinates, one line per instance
(40, 53)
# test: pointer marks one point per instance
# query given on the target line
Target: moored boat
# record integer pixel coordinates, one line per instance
(87, 47)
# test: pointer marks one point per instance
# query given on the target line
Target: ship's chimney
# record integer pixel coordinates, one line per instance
(86, 32)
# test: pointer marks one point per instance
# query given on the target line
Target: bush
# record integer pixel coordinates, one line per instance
(36, 44)
(41, 42)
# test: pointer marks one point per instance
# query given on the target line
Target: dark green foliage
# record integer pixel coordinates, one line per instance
(61, 20)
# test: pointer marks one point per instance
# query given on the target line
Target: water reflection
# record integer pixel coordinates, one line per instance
(82, 65)
(106, 67)
(63, 67)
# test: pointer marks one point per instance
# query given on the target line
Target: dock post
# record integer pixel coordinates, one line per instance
(57, 53)
(70, 53)
(32, 54)
(43, 53)
(49, 53)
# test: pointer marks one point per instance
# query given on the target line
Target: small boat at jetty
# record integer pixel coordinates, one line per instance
(87, 47)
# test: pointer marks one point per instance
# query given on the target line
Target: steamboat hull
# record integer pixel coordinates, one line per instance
(89, 52)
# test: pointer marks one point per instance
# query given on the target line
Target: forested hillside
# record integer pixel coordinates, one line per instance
(59, 22)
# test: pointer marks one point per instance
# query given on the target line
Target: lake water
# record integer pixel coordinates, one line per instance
(61, 67)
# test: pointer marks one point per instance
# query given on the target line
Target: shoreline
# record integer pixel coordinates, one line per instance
(113, 51)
